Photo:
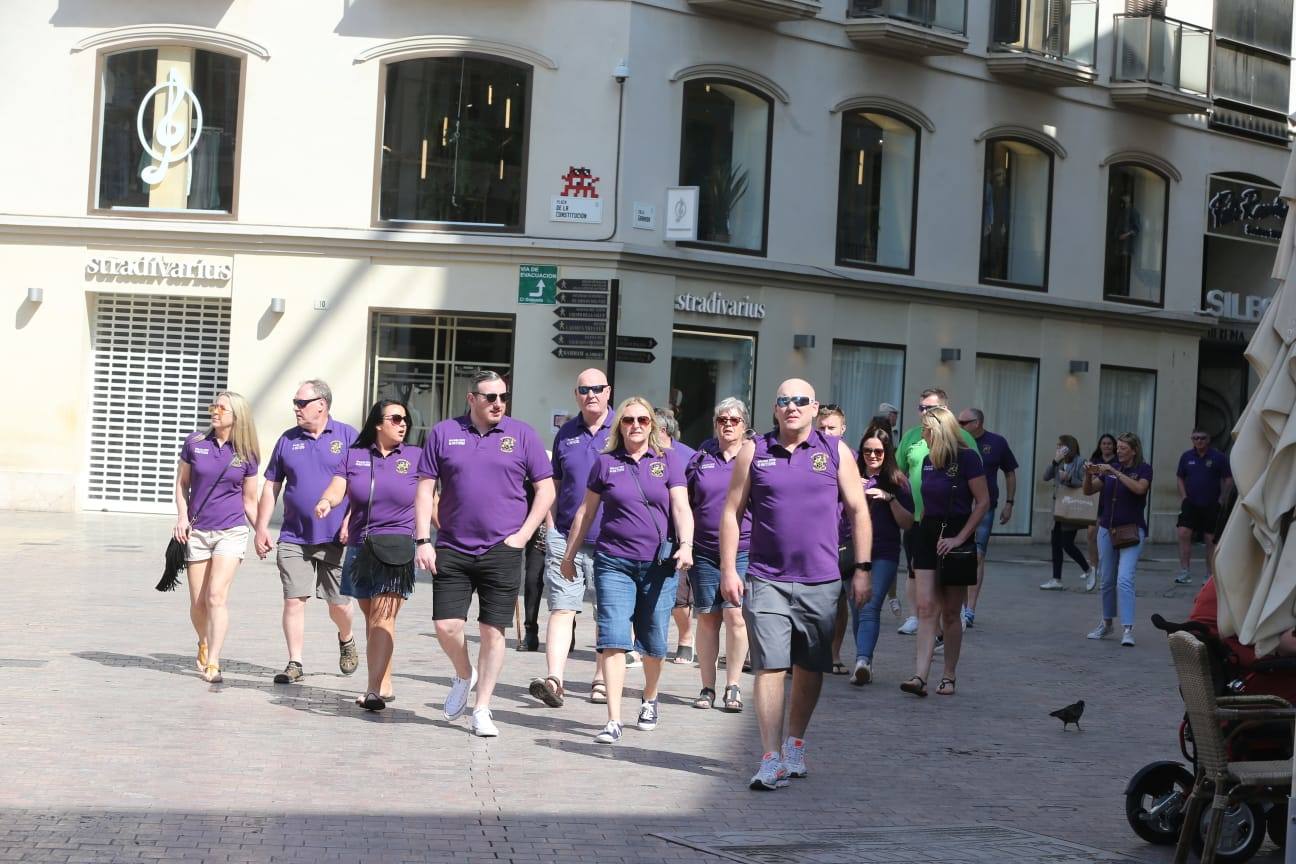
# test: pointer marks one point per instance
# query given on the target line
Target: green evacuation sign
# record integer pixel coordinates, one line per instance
(537, 283)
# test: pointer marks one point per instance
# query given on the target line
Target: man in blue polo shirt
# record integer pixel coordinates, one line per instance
(1205, 482)
(996, 456)
(309, 550)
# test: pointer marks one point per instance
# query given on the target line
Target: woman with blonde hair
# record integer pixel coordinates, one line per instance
(215, 495)
(645, 540)
(955, 498)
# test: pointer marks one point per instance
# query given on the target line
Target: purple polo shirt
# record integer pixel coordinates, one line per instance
(306, 465)
(574, 451)
(886, 531)
(996, 456)
(1102, 499)
(707, 476)
(1203, 476)
(483, 480)
(633, 526)
(1123, 506)
(937, 486)
(793, 505)
(395, 482)
(207, 459)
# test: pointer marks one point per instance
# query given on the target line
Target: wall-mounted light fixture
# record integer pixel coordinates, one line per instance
(35, 295)
(951, 355)
(1078, 366)
(803, 340)
(277, 305)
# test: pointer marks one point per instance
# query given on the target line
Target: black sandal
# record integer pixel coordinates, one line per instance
(733, 703)
(684, 655)
(371, 702)
(946, 687)
(705, 700)
(919, 689)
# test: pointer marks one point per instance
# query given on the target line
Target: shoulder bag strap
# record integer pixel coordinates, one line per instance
(950, 510)
(635, 475)
(369, 506)
(193, 517)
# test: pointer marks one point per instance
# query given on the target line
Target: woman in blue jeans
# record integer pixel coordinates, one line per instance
(1123, 502)
(891, 508)
(707, 475)
(640, 486)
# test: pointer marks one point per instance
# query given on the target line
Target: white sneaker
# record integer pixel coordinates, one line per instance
(457, 699)
(1127, 638)
(482, 724)
(1184, 578)
(1102, 631)
(647, 715)
(939, 647)
(771, 774)
(895, 607)
(611, 733)
(863, 673)
(633, 660)
(909, 627)
(1090, 580)
(794, 757)
(1052, 585)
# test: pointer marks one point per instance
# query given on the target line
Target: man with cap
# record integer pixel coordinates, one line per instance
(789, 479)
(309, 550)
(890, 412)
(483, 461)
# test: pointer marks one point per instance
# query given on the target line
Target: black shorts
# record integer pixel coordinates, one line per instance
(926, 533)
(1199, 519)
(494, 575)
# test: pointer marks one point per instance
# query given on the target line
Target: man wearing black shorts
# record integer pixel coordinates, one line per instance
(1205, 482)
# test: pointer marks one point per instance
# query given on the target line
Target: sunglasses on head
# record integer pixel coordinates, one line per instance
(829, 408)
(642, 420)
(493, 397)
(302, 403)
(798, 401)
(586, 389)
(873, 451)
(396, 419)
(728, 421)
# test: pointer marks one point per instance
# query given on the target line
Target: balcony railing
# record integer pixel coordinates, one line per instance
(947, 15)
(1057, 29)
(1151, 50)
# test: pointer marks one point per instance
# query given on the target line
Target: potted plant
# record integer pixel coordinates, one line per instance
(725, 187)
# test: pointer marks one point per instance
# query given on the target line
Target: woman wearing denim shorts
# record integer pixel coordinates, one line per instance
(640, 487)
(707, 475)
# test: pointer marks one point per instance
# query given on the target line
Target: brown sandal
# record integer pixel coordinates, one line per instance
(945, 687)
(706, 699)
(919, 689)
(548, 690)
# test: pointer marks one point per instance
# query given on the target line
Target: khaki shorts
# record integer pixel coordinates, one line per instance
(315, 568)
(229, 542)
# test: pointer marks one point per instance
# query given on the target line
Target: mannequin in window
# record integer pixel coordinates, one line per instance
(1126, 227)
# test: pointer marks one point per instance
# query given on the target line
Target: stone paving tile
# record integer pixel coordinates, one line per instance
(116, 750)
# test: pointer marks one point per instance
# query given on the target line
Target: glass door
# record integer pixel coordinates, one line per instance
(707, 366)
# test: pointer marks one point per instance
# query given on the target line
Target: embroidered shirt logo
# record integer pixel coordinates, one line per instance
(363, 463)
(335, 448)
(507, 444)
(402, 466)
(819, 462)
(616, 469)
(766, 462)
(456, 442)
(657, 469)
(237, 461)
(571, 442)
(299, 445)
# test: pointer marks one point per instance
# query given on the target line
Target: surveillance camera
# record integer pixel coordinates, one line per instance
(621, 72)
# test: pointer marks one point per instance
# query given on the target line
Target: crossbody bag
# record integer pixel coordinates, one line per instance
(176, 555)
(1121, 536)
(385, 562)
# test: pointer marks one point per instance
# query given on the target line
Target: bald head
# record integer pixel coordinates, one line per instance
(593, 405)
(796, 387)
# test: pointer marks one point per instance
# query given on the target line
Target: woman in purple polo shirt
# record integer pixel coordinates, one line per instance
(1123, 503)
(378, 479)
(1104, 452)
(955, 498)
(641, 490)
(707, 476)
(891, 509)
(215, 495)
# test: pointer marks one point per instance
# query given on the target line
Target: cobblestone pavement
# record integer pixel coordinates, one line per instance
(115, 750)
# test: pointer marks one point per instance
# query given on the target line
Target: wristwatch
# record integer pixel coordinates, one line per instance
(866, 566)
(1008, 500)
(420, 541)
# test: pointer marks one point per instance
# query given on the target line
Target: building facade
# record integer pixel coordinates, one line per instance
(1012, 200)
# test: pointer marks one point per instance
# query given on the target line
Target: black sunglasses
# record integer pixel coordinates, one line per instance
(586, 389)
(966, 422)
(785, 401)
(492, 397)
(831, 406)
(396, 419)
(302, 403)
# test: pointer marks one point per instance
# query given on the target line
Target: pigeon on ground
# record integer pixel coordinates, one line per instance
(1069, 714)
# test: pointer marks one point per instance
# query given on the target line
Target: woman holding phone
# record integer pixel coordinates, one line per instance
(1122, 528)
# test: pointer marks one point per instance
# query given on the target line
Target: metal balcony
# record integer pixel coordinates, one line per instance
(1044, 43)
(1161, 65)
(908, 28)
(760, 11)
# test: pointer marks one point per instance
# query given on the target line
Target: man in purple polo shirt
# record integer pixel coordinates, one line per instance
(996, 456)
(310, 550)
(483, 461)
(575, 450)
(1205, 482)
(791, 479)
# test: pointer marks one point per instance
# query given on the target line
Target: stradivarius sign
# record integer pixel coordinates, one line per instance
(717, 304)
(158, 267)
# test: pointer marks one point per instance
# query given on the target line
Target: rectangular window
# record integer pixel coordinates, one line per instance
(427, 361)
(1136, 234)
(168, 130)
(1008, 394)
(876, 189)
(863, 377)
(1264, 24)
(1127, 403)
(1015, 214)
(707, 366)
(1251, 78)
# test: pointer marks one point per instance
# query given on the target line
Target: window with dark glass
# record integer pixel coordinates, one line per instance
(168, 130)
(876, 190)
(454, 142)
(1015, 213)
(1136, 234)
(725, 153)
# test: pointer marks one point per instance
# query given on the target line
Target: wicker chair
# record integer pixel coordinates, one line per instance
(1225, 783)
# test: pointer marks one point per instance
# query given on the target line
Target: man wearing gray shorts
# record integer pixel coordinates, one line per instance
(309, 549)
(575, 449)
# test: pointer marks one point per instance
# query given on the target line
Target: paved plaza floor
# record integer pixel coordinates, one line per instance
(114, 750)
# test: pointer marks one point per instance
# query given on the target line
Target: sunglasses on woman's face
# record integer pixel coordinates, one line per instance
(644, 421)
(873, 451)
(217, 410)
(728, 421)
(397, 419)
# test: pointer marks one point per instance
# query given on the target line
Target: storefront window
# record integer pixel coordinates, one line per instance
(454, 142)
(725, 152)
(863, 377)
(876, 190)
(1127, 403)
(168, 130)
(428, 362)
(1015, 214)
(1008, 394)
(707, 366)
(1136, 234)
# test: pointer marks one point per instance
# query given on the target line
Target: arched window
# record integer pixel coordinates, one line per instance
(1016, 213)
(1137, 202)
(725, 151)
(454, 143)
(877, 190)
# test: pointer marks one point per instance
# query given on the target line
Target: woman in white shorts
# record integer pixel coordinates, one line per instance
(215, 494)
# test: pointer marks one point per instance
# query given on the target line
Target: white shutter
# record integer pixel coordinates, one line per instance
(158, 361)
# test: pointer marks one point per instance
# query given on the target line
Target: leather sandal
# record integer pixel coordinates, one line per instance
(706, 699)
(945, 687)
(915, 686)
(598, 693)
(733, 703)
(371, 702)
(548, 690)
(212, 674)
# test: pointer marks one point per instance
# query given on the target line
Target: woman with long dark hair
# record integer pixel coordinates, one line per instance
(1066, 472)
(1105, 452)
(891, 509)
(378, 480)
(1122, 529)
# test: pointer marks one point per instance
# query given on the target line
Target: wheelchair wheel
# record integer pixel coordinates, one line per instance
(1155, 801)
(1277, 824)
(1241, 835)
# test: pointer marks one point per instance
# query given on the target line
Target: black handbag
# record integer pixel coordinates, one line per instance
(958, 566)
(385, 563)
(177, 555)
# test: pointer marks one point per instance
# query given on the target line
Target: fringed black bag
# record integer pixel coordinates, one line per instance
(177, 554)
(385, 563)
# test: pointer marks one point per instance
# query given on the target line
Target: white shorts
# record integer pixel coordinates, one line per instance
(230, 542)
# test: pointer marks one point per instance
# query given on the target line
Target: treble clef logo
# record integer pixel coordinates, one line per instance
(170, 128)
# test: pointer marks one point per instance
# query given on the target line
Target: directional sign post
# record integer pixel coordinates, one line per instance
(537, 283)
(624, 355)
(578, 353)
(583, 323)
(645, 342)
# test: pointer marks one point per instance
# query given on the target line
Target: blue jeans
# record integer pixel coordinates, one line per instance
(705, 581)
(983, 529)
(634, 603)
(1118, 567)
(868, 616)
